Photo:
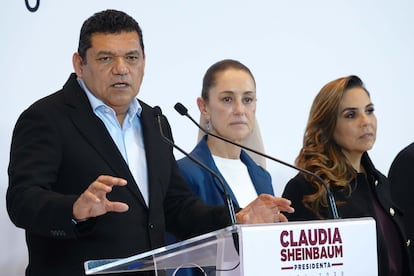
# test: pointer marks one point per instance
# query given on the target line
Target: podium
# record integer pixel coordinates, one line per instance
(321, 247)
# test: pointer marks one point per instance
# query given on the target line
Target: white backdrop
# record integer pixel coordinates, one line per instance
(292, 47)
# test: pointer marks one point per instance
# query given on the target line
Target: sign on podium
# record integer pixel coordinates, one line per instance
(323, 247)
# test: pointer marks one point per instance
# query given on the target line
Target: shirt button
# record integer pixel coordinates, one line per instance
(392, 212)
(376, 182)
(151, 226)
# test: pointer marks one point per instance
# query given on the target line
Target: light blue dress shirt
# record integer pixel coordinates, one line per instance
(128, 137)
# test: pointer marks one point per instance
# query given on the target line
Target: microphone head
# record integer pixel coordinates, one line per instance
(157, 111)
(181, 108)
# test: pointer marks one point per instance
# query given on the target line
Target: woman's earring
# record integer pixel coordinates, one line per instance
(208, 125)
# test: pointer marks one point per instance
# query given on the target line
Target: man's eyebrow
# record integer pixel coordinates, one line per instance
(107, 52)
(133, 52)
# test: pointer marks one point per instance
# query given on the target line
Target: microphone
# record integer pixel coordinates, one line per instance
(332, 205)
(228, 201)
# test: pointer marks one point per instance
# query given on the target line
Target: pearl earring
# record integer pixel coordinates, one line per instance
(208, 125)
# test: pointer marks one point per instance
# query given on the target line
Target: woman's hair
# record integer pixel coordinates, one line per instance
(320, 153)
(210, 77)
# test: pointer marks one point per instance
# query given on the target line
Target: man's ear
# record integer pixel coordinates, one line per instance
(77, 63)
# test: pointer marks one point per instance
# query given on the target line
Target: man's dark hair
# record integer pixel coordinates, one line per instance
(107, 22)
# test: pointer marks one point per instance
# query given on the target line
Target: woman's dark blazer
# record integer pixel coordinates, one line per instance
(208, 187)
(59, 147)
(356, 206)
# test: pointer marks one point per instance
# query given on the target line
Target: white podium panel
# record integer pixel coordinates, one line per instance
(329, 248)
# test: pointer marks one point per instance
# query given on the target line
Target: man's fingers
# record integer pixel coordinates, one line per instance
(281, 218)
(118, 207)
(283, 204)
(111, 181)
(93, 202)
(265, 209)
(282, 201)
(89, 195)
(287, 209)
(103, 185)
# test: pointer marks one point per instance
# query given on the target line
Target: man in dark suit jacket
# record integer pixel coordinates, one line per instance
(401, 177)
(71, 184)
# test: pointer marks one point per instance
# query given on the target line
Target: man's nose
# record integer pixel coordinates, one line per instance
(120, 67)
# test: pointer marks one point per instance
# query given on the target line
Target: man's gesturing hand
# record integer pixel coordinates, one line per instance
(93, 201)
(265, 209)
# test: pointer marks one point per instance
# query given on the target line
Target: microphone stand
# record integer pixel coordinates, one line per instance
(183, 111)
(229, 202)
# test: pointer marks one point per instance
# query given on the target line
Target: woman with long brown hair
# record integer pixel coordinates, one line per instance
(341, 129)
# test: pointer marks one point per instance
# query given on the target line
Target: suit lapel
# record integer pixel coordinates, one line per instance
(153, 149)
(257, 176)
(202, 153)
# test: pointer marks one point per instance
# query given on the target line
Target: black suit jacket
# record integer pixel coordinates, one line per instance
(401, 176)
(59, 147)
